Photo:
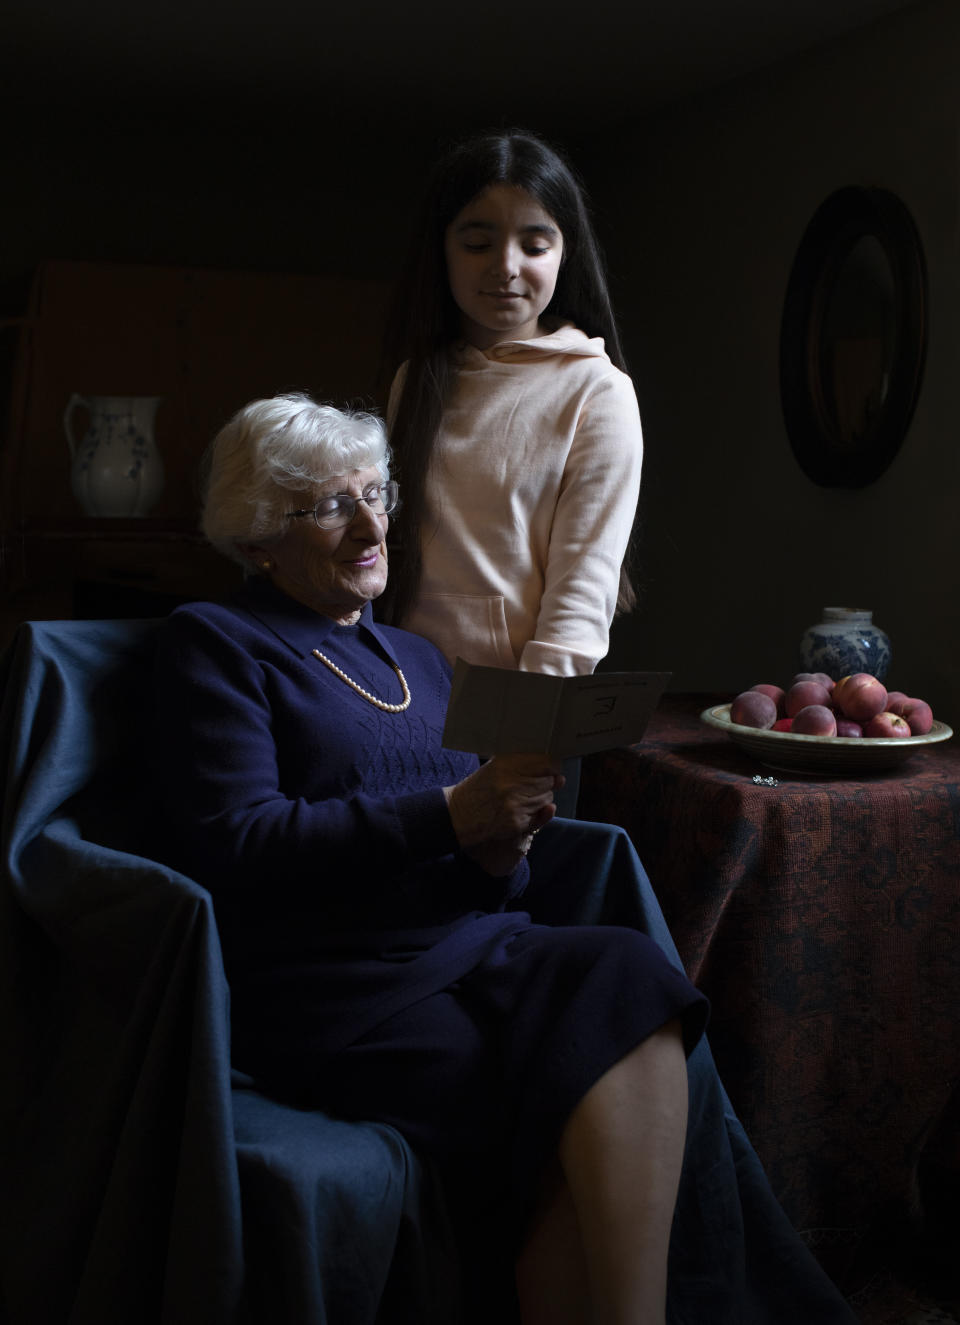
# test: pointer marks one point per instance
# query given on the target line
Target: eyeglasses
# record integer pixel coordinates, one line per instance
(340, 509)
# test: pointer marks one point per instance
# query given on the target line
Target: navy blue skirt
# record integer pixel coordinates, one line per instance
(483, 1073)
(481, 1076)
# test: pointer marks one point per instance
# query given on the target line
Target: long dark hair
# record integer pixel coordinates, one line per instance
(425, 320)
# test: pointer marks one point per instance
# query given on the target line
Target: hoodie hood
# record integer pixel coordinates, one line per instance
(567, 339)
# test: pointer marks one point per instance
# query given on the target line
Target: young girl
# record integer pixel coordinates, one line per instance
(515, 429)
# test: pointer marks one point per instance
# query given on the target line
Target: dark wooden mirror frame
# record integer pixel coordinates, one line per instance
(845, 218)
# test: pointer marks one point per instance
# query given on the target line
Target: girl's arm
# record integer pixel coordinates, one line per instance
(590, 532)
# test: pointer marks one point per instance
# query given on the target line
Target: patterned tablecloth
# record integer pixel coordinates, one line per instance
(822, 918)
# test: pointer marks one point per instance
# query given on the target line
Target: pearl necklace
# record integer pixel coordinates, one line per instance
(365, 694)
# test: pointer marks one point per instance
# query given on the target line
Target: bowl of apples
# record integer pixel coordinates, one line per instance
(818, 725)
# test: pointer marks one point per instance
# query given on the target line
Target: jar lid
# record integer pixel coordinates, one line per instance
(847, 614)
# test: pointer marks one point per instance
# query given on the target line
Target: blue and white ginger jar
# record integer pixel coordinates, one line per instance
(845, 641)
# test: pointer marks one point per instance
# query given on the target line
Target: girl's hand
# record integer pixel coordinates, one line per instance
(506, 799)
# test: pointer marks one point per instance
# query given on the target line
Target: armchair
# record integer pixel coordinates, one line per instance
(141, 1180)
(145, 1183)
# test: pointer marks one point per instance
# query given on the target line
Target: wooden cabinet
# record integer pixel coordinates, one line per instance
(204, 341)
(107, 568)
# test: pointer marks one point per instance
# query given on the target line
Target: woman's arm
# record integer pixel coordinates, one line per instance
(234, 728)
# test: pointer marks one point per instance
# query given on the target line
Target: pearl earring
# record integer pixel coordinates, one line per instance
(265, 565)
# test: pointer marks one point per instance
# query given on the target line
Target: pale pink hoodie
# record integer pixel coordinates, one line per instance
(531, 498)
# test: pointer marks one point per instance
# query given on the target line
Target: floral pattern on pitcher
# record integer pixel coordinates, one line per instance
(117, 470)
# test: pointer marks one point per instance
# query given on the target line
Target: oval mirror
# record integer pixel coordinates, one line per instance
(853, 337)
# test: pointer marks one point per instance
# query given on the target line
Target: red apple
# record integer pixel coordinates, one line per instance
(783, 724)
(775, 693)
(847, 727)
(918, 716)
(751, 709)
(860, 696)
(895, 701)
(886, 724)
(814, 720)
(825, 680)
(802, 693)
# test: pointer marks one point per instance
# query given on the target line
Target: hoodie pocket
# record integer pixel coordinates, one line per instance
(469, 626)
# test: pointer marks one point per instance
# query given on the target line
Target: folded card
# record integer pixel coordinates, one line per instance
(495, 711)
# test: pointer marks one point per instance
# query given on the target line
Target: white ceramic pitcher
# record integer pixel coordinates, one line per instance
(117, 469)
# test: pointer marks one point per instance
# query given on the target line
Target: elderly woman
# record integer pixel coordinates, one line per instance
(368, 885)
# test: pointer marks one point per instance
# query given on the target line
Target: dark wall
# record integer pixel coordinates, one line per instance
(201, 185)
(700, 209)
(304, 186)
(707, 203)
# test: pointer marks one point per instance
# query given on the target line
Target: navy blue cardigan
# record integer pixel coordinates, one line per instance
(316, 820)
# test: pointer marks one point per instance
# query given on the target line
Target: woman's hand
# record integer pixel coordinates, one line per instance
(498, 858)
(505, 800)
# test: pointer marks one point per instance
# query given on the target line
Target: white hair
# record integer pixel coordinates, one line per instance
(273, 446)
